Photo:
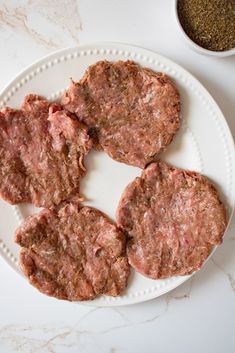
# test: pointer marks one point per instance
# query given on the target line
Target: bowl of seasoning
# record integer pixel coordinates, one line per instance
(208, 25)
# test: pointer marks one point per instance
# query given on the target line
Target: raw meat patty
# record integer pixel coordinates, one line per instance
(41, 153)
(73, 253)
(173, 219)
(132, 112)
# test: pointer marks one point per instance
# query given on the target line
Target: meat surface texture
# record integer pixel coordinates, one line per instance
(73, 253)
(173, 218)
(42, 148)
(132, 112)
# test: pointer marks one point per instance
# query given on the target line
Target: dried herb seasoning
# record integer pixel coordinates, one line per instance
(209, 23)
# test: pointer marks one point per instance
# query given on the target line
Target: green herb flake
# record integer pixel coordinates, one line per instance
(209, 23)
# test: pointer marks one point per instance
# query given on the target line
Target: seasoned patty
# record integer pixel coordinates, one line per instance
(173, 219)
(132, 112)
(42, 148)
(73, 253)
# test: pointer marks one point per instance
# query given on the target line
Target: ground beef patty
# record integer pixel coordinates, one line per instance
(132, 112)
(173, 218)
(73, 253)
(41, 153)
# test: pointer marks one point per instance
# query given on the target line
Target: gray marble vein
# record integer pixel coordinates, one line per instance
(229, 276)
(32, 17)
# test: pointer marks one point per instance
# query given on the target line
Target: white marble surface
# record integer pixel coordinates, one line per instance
(197, 317)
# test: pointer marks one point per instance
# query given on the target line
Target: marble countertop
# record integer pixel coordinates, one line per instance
(198, 316)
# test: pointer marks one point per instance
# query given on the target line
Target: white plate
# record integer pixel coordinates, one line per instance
(204, 144)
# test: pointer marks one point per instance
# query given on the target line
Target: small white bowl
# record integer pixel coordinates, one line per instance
(197, 47)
